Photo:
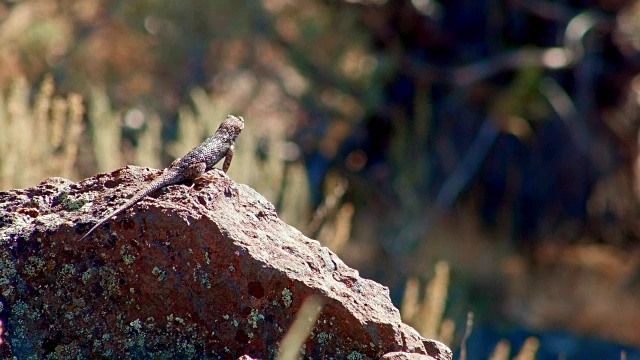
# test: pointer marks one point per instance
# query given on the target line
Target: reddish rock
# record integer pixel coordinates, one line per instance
(405, 356)
(437, 349)
(202, 272)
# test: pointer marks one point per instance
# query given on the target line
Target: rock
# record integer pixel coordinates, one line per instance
(202, 272)
(437, 349)
(398, 355)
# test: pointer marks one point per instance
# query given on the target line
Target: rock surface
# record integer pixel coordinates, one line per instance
(397, 355)
(437, 350)
(202, 272)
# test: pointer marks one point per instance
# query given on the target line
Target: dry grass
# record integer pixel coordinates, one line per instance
(501, 351)
(105, 131)
(433, 306)
(332, 221)
(150, 143)
(291, 344)
(528, 349)
(426, 315)
(447, 332)
(41, 138)
(410, 301)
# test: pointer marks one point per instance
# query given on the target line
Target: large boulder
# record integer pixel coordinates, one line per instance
(207, 271)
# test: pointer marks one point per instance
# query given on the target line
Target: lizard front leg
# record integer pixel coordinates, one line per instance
(227, 158)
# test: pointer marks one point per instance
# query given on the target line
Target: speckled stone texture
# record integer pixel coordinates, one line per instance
(202, 272)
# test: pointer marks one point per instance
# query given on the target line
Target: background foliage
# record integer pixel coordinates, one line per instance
(471, 155)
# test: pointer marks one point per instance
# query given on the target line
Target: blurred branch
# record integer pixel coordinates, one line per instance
(469, 165)
(579, 25)
(563, 105)
(549, 10)
(457, 181)
(551, 58)
(465, 75)
(465, 337)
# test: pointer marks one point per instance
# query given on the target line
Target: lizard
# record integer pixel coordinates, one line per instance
(189, 167)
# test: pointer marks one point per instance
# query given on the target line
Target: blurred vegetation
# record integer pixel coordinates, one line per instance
(55, 120)
(498, 137)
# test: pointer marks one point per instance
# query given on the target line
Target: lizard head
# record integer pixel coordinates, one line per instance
(232, 125)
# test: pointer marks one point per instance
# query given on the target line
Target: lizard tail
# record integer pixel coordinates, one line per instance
(153, 186)
(94, 227)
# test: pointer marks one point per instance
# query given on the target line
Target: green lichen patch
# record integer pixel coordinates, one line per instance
(161, 274)
(126, 254)
(287, 297)
(73, 203)
(253, 318)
